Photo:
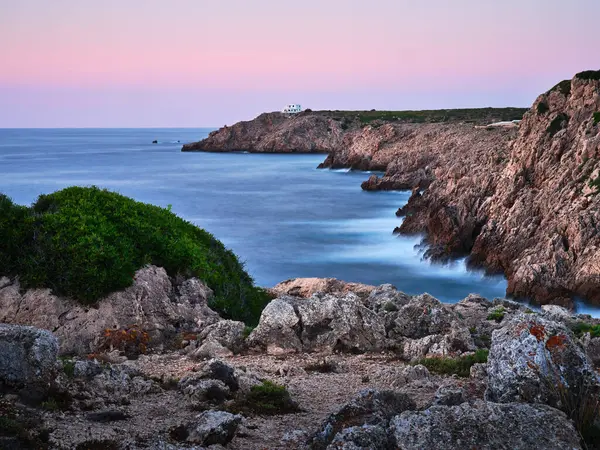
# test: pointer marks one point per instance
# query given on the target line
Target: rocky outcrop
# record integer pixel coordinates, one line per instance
(306, 287)
(277, 133)
(538, 361)
(486, 426)
(27, 355)
(320, 323)
(212, 427)
(521, 203)
(153, 304)
(370, 407)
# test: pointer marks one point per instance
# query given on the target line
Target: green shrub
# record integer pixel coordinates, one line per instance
(460, 366)
(247, 331)
(87, 242)
(497, 314)
(580, 328)
(564, 87)
(267, 398)
(557, 124)
(542, 108)
(588, 75)
(68, 367)
(596, 118)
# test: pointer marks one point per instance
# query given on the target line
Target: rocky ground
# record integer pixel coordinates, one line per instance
(335, 365)
(517, 200)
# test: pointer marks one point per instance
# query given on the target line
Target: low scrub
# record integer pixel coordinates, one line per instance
(87, 242)
(557, 124)
(497, 314)
(581, 328)
(588, 75)
(460, 366)
(596, 117)
(267, 399)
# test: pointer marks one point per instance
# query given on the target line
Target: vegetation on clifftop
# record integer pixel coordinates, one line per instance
(86, 243)
(471, 115)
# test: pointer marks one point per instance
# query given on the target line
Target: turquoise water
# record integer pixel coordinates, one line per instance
(280, 214)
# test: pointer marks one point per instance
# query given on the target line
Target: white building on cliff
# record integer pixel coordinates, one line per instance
(292, 109)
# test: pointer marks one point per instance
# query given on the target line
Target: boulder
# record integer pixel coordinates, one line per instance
(278, 328)
(320, 323)
(397, 376)
(449, 396)
(27, 355)
(370, 407)
(365, 437)
(592, 348)
(204, 391)
(213, 427)
(228, 333)
(152, 304)
(210, 349)
(386, 299)
(485, 426)
(424, 315)
(536, 360)
(306, 287)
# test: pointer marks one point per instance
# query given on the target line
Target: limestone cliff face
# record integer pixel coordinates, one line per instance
(543, 221)
(522, 207)
(276, 133)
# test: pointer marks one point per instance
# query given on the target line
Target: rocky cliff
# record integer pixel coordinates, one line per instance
(520, 200)
(528, 208)
(276, 133)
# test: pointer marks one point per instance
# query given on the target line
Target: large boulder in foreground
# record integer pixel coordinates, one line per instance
(27, 355)
(369, 407)
(485, 426)
(319, 323)
(152, 304)
(536, 360)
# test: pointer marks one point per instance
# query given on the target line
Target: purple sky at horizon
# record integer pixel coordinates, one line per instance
(194, 63)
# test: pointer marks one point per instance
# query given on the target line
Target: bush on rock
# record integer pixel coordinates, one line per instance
(86, 243)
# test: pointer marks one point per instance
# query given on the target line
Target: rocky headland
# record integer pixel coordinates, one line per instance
(331, 365)
(519, 199)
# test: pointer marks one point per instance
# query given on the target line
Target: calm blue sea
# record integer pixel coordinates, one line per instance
(281, 215)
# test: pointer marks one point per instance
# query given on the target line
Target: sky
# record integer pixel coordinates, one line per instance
(198, 63)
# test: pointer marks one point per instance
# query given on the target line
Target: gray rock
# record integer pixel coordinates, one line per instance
(365, 437)
(320, 323)
(278, 328)
(592, 348)
(204, 391)
(485, 426)
(370, 407)
(210, 349)
(386, 299)
(213, 427)
(423, 316)
(478, 371)
(27, 355)
(87, 368)
(228, 333)
(532, 357)
(449, 396)
(152, 303)
(396, 376)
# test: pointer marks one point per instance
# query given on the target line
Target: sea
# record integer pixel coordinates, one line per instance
(282, 216)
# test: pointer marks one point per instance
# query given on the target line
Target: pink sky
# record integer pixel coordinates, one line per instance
(199, 63)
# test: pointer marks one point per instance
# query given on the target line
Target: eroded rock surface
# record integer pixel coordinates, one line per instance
(486, 426)
(27, 355)
(153, 304)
